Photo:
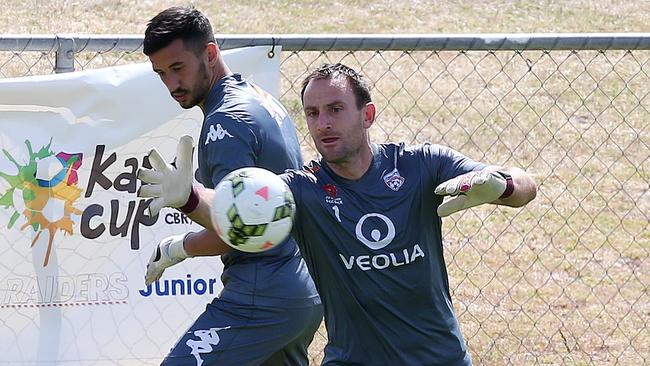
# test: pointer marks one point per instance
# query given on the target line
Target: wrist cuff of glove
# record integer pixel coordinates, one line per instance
(192, 202)
(177, 248)
(510, 186)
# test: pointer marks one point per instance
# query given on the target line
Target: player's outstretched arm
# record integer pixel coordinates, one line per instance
(201, 211)
(498, 185)
(524, 187)
(176, 248)
(170, 185)
(205, 243)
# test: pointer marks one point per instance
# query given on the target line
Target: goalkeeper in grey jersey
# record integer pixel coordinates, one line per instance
(368, 224)
(269, 310)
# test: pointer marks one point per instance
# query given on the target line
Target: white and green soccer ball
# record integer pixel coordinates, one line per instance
(252, 209)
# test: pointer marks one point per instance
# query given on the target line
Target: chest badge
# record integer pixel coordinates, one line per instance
(331, 194)
(393, 180)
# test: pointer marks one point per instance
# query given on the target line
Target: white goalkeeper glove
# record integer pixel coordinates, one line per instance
(169, 185)
(473, 189)
(168, 252)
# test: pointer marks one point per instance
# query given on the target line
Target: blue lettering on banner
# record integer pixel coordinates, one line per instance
(182, 287)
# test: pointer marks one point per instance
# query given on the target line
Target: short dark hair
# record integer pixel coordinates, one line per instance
(176, 22)
(328, 71)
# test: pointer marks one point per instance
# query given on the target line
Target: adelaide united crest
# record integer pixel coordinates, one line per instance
(394, 180)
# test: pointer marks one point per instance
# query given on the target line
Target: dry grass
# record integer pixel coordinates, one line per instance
(381, 16)
(563, 281)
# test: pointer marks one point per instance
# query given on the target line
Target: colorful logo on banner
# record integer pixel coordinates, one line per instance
(45, 189)
(47, 185)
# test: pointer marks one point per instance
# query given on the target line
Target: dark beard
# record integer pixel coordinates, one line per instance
(205, 81)
(201, 88)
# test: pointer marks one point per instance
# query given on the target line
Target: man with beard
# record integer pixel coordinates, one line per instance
(269, 310)
(369, 224)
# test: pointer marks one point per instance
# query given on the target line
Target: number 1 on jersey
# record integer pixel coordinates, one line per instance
(336, 213)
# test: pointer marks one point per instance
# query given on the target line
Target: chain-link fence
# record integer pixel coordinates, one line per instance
(562, 281)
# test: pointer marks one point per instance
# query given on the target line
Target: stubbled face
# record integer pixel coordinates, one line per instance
(335, 123)
(184, 73)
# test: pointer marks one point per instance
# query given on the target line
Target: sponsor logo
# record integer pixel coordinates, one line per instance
(216, 134)
(120, 223)
(465, 183)
(44, 192)
(207, 339)
(377, 240)
(384, 260)
(394, 180)
(331, 194)
(376, 231)
(180, 286)
(330, 190)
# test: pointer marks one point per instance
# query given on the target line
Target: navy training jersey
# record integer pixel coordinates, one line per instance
(374, 248)
(245, 126)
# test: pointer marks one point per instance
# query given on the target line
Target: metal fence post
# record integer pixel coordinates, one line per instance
(64, 55)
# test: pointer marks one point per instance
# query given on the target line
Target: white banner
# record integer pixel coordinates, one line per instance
(74, 238)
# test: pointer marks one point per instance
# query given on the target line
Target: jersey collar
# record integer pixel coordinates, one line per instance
(215, 97)
(368, 177)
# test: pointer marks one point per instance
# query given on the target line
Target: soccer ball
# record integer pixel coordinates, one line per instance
(252, 209)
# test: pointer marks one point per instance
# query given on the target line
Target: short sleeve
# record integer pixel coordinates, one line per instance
(445, 163)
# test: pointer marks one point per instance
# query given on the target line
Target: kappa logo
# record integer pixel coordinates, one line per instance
(216, 134)
(207, 339)
(394, 180)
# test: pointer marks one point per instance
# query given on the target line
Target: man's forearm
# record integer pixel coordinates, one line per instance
(524, 190)
(201, 214)
(204, 243)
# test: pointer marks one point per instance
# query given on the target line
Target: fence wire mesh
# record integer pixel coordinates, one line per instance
(563, 281)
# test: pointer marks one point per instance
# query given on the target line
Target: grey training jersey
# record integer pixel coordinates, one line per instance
(374, 249)
(245, 126)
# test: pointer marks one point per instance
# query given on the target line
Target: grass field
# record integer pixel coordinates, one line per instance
(382, 16)
(562, 282)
